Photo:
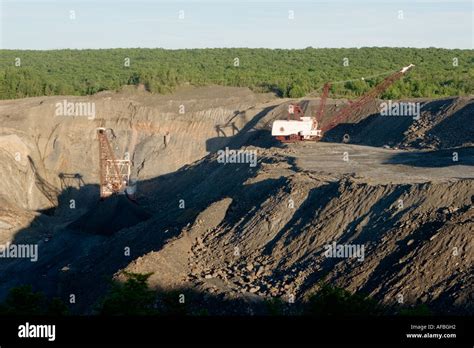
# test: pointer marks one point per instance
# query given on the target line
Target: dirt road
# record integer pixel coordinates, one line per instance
(385, 165)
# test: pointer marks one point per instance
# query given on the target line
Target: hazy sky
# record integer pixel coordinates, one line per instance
(39, 24)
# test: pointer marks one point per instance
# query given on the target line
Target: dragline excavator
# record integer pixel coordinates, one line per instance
(114, 173)
(299, 127)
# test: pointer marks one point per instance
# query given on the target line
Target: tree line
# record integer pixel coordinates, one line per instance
(288, 73)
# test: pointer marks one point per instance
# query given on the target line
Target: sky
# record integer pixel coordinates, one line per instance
(80, 24)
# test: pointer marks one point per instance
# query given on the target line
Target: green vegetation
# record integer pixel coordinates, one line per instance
(333, 301)
(417, 311)
(133, 297)
(23, 300)
(289, 73)
(276, 306)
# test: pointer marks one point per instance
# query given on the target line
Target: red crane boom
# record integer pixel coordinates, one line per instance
(322, 103)
(345, 112)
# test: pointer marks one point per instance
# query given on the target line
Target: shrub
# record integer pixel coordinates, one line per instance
(419, 310)
(133, 297)
(22, 300)
(329, 301)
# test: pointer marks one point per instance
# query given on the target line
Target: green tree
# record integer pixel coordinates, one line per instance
(333, 301)
(22, 300)
(296, 91)
(292, 73)
(129, 298)
(420, 310)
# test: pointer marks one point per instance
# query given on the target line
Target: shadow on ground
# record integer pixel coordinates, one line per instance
(374, 130)
(435, 159)
(440, 128)
(249, 135)
(76, 257)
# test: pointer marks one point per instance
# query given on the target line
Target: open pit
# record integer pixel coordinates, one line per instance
(400, 187)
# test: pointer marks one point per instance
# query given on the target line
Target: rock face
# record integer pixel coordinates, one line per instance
(402, 219)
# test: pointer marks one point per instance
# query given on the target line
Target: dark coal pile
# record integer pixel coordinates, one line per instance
(110, 215)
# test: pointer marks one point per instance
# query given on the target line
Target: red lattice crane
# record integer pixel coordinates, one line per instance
(345, 112)
(114, 173)
(322, 102)
(299, 128)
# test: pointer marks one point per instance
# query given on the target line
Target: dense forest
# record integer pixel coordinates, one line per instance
(288, 73)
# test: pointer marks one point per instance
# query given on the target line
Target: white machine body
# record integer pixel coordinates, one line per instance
(306, 128)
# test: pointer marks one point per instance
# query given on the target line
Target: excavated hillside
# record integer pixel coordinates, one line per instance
(399, 188)
(63, 144)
